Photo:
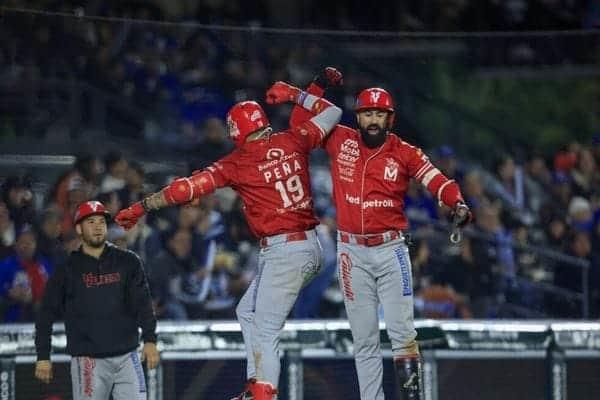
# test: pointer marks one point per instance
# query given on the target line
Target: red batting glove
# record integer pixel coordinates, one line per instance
(129, 216)
(329, 77)
(282, 92)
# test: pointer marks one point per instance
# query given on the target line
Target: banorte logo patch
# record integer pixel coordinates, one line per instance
(275, 153)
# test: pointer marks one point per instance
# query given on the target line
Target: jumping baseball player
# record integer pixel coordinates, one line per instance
(371, 169)
(103, 294)
(270, 172)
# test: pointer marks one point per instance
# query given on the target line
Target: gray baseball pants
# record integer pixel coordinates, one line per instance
(98, 378)
(283, 269)
(370, 276)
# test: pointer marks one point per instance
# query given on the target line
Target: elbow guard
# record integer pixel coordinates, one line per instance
(446, 191)
(184, 190)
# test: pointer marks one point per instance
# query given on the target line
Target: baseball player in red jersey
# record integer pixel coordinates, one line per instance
(270, 172)
(371, 169)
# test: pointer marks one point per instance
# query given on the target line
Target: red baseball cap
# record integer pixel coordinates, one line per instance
(89, 208)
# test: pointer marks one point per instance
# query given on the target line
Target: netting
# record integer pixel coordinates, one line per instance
(140, 79)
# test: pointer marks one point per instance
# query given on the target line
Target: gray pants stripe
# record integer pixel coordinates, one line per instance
(98, 378)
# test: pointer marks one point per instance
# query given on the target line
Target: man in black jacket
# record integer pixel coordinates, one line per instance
(102, 291)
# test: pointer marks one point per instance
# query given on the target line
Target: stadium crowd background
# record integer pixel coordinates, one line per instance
(537, 213)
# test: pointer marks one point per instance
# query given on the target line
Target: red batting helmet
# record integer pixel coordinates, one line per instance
(243, 119)
(374, 98)
(88, 208)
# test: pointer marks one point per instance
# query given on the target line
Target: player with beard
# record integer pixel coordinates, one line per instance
(371, 168)
(102, 293)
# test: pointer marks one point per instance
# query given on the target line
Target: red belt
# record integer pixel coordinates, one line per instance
(289, 237)
(370, 240)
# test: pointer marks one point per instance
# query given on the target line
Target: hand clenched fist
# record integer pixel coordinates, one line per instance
(282, 92)
(128, 217)
(329, 77)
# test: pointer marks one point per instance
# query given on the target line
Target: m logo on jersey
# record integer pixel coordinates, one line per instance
(375, 96)
(391, 170)
(275, 153)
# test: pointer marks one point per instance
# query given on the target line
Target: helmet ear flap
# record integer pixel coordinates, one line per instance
(391, 119)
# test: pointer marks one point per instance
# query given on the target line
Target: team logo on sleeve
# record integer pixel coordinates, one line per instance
(391, 170)
(275, 153)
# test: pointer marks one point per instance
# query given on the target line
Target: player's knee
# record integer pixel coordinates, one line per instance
(366, 346)
(243, 314)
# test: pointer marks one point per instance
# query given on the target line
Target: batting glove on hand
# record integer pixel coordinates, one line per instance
(461, 214)
(282, 92)
(128, 217)
(329, 77)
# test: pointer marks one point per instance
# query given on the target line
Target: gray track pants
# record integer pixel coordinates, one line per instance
(98, 378)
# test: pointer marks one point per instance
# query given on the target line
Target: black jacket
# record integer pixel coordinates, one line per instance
(103, 302)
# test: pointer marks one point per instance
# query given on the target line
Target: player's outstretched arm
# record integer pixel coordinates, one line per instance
(180, 191)
(326, 115)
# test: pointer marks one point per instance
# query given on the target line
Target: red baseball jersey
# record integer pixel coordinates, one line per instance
(271, 176)
(369, 185)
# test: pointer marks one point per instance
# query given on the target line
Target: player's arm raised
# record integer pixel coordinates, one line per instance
(326, 115)
(328, 77)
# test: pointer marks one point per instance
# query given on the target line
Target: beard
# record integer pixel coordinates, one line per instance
(373, 140)
(94, 241)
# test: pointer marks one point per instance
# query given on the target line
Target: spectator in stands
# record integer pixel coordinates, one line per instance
(18, 198)
(560, 198)
(569, 276)
(78, 192)
(580, 215)
(537, 180)
(448, 163)
(214, 143)
(439, 301)
(7, 231)
(494, 262)
(138, 240)
(419, 206)
(538, 171)
(116, 168)
(510, 188)
(169, 271)
(586, 175)
(49, 242)
(84, 174)
(474, 192)
(134, 184)
(111, 201)
(23, 277)
(117, 236)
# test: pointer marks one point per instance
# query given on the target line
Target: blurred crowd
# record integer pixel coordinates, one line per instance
(535, 223)
(531, 252)
(183, 75)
